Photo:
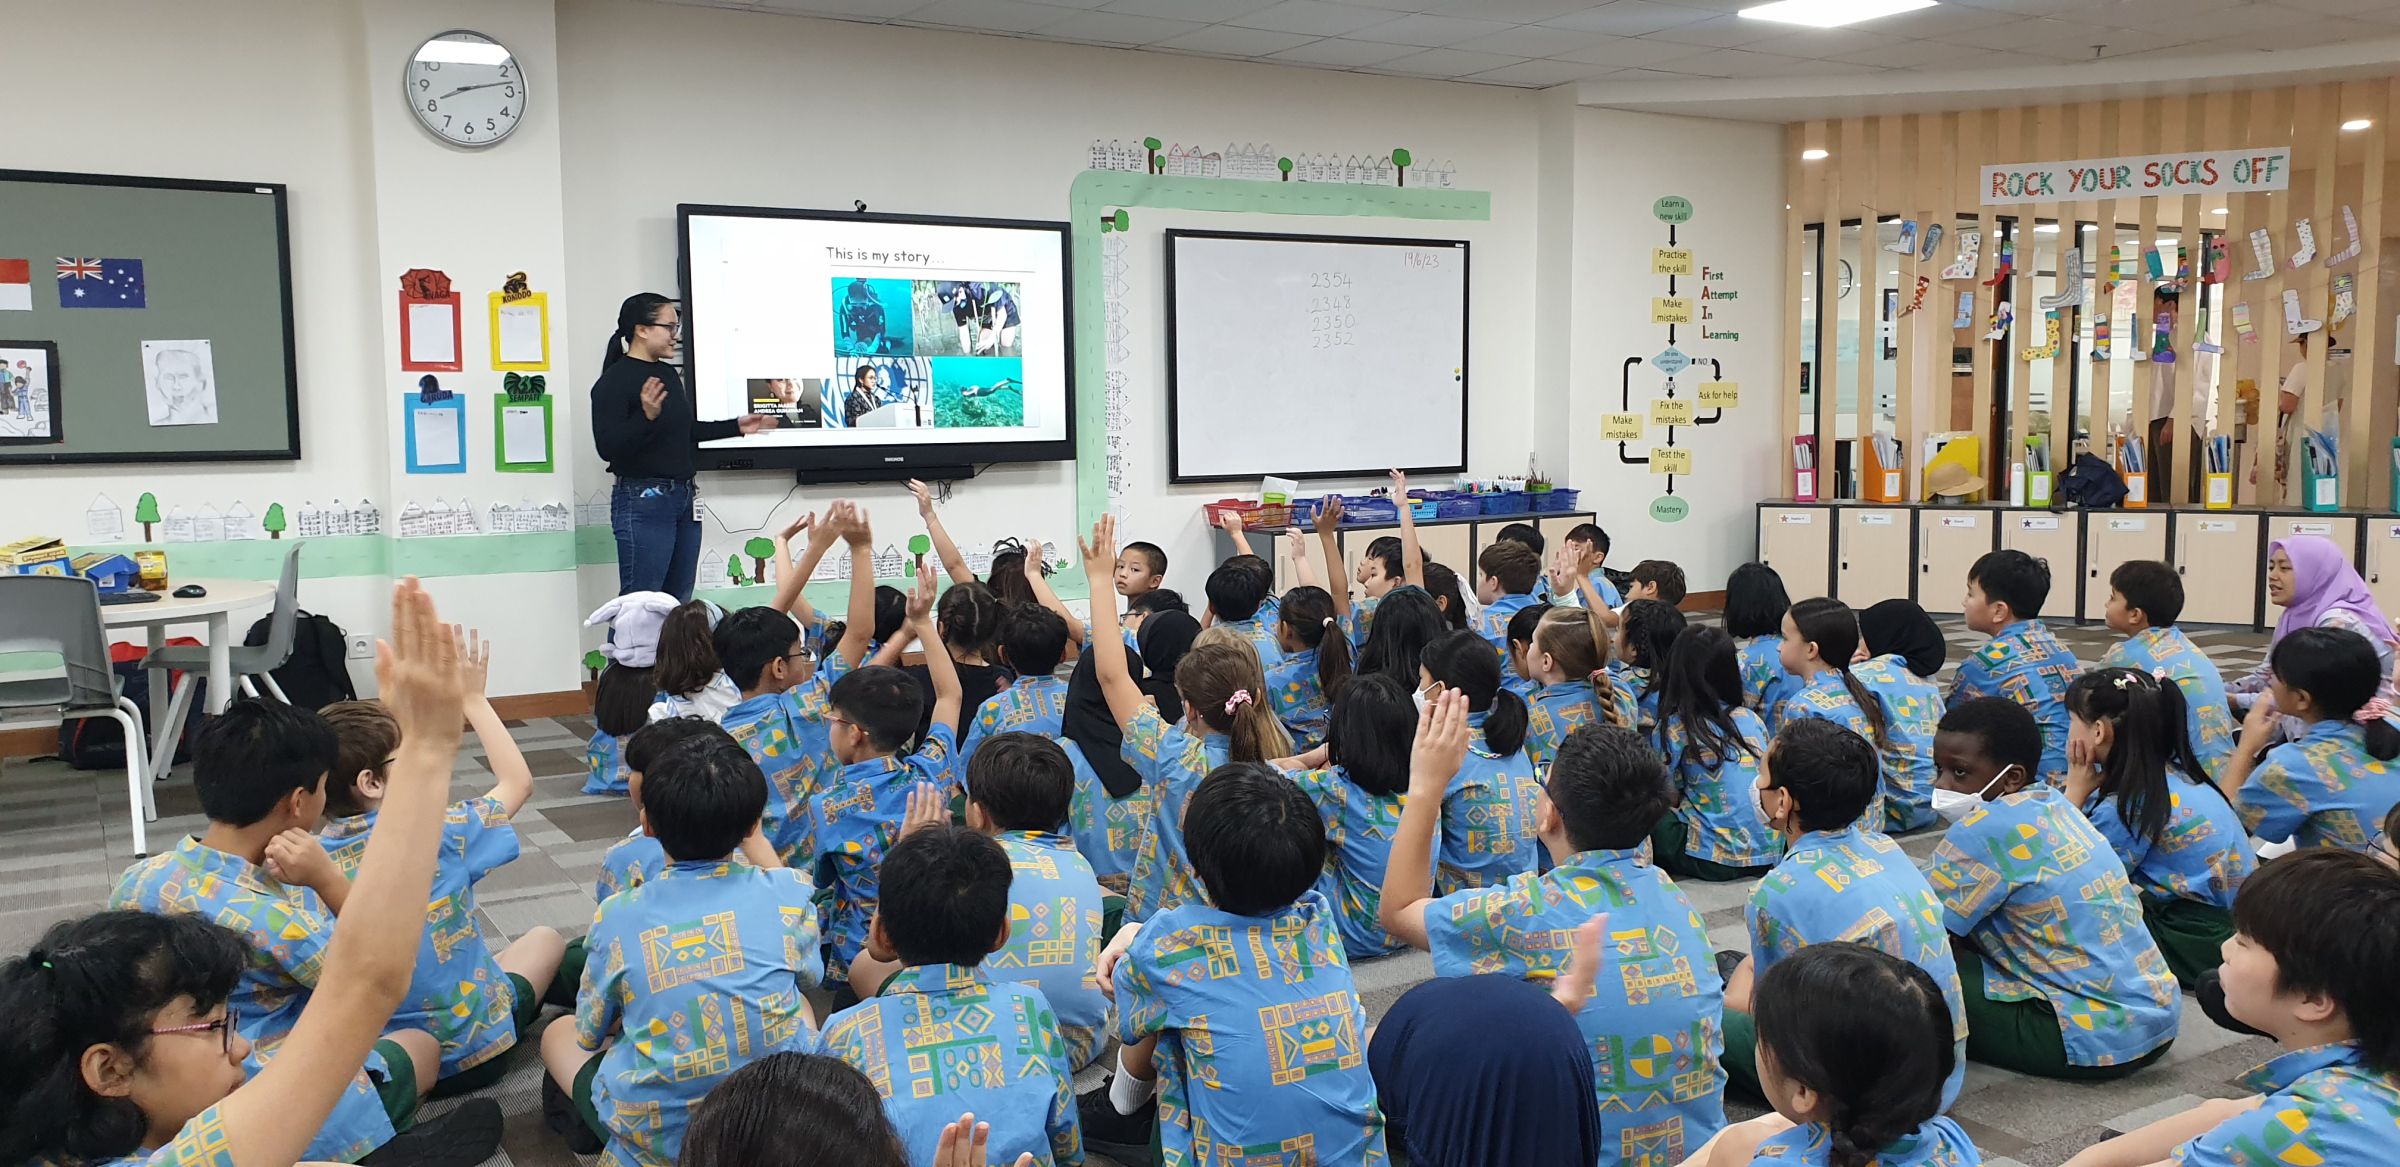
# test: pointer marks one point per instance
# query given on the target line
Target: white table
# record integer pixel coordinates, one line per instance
(216, 609)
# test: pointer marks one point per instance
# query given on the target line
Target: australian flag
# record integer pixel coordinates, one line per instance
(101, 283)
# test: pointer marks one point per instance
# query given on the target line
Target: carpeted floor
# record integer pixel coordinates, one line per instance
(63, 841)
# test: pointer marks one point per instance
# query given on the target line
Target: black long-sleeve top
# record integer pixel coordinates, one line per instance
(640, 447)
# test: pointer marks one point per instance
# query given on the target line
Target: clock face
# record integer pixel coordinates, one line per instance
(466, 88)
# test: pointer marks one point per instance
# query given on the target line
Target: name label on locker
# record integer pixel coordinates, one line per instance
(1803, 518)
(1958, 520)
(2209, 525)
(2129, 524)
(2312, 528)
(2038, 523)
(1874, 519)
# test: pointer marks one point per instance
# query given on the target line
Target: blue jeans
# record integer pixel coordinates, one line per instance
(658, 540)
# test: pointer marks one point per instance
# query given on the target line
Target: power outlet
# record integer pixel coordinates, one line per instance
(362, 647)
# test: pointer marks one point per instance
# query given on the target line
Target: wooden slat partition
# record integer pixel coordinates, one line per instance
(1927, 167)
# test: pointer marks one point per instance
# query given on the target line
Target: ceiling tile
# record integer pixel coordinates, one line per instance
(1202, 11)
(1913, 55)
(1803, 67)
(2358, 9)
(1225, 40)
(1115, 28)
(1649, 75)
(1007, 16)
(1313, 17)
(2138, 13)
(1629, 18)
(1446, 63)
(1430, 31)
(2028, 7)
(1341, 53)
(1717, 32)
(844, 9)
(2112, 42)
(1632, 52)
(1523, 11)
(1715, 5)
(1729, 63)
(1540, 74)
(1533, 40)
(2324, 31)
(2018, 35)
(2209, 26)
(1925, 22)
(1820, 43)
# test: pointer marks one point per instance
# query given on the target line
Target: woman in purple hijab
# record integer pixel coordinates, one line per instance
(2312, 580)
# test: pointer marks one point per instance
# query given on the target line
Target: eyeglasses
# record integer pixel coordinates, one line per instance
(802, 653)
(223, 1026)
(675, 326)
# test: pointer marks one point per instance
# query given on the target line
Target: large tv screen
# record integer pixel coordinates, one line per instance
(884, 345)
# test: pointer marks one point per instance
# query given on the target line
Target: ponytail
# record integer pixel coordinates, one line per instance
(1867, 1031)
(687, 653)
(2340, 670)
(1221, 679)
(1831, 626)
(638, 309)
(1464, 661)
(1565, 636)
(1308, 612)
(2147, 713)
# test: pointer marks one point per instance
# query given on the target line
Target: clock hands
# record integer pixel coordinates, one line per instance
(472, 88)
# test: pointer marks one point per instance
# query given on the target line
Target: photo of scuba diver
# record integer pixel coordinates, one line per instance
(971, 392)
(872, 318)
(967, 318)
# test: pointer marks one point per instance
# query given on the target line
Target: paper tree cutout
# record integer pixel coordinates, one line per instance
(274, 522)
(919, 545)
(733, 571)
(145, 512)
(1401, 161)
(593, 662)
(758, 549)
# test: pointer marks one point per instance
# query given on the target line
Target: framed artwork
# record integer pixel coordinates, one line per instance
(29, 393)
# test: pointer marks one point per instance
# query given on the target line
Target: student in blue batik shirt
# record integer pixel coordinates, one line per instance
(1851, 1042)
(1901, 651)
(2144, 598)
(1019, 787)
(1838, 880)
(692, 974)
(1111, 803)
(475, 1002)
(1239, 1010)
(2023, 662)
(1225, 717)
(946, 1034)
(2061, 978)
(2332, 785)
(620, 706)
(145, 1061)
(1488, 825)
(1238, 601)
(1032, 642)
(1359, 792)
(1654, 1047)
(1315, 664)
(1820, 641)
(1586, 547)
(2315, 953)
(637, 858)
(2130, 767)
(1646, 630)
(1505, 573)
(260, 769)
(1712, 746)
(1381, 567)
(857, 813)
(1754, 606)
(1516, 664)
(1569, 661)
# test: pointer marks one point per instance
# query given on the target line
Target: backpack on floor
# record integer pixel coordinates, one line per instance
(98, 743)
(317, 674)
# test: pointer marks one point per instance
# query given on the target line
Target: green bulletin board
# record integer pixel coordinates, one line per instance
(204, 261)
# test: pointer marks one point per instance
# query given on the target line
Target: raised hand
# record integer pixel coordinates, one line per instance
(965, 1142)
(1100, 555)
(926, 808)
(417, 673)
(1399, 484)
(1565, 568)
(924, 495)
(1441, 745)
(1574, 986)
(1230, 522)
(1037, 556)
(474, 661)
(654, 398)
(1328, 519)
(806, 520)
(920, 596)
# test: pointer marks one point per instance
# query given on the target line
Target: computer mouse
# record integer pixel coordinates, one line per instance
(190, 592)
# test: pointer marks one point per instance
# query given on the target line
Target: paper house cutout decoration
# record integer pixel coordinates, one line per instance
(593, 511)
(311, 520)
(112, 572)
(338, 520)
(104, 519)
(239, 522)
(178, 526)
(208, 526)
(519, 517)
(366, 519)
(889, 563)
(440, 518)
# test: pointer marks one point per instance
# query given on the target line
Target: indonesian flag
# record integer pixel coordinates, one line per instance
(16, 285)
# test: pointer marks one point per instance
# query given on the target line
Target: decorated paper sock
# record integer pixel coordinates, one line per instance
(2002, 315)
(2008, 264)
(1966, 311)
(2216, 262)
(2158, 264)
(2101, 350)
(2049, 346)
(2345, 298)
(2070, 272)
(2293, 322)
(1907, 243)
(2241, 323)
(2308, 246)
(1917, 301)
(2262, 245)
(1933, 239)
(2202, 344)
(2162, 341)
(1970, 253)
(2349, 224)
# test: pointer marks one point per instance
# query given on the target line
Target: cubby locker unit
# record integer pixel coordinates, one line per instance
(1873, 548)
(2379, 560)
(1949, 541)
(2111, 538)
(1449, 543)
(2344, 530)
(1796, 539)
(2213, 553)
(2055, 538)
(1554, 530)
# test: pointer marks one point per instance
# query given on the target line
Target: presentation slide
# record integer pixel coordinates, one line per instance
(858, 333)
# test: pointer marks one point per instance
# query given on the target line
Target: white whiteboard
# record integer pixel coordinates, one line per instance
(1308, 356)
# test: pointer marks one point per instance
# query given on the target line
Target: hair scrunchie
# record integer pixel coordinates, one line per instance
(1240, 698)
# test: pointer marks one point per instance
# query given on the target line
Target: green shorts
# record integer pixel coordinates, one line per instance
(1667, 843)
(2190, 935)
(2024, 1035)
(398, 1086)
(524, 1011)
(582, 1095)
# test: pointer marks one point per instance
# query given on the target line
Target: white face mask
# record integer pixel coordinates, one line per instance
(1421, 701)
(1953, 805)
